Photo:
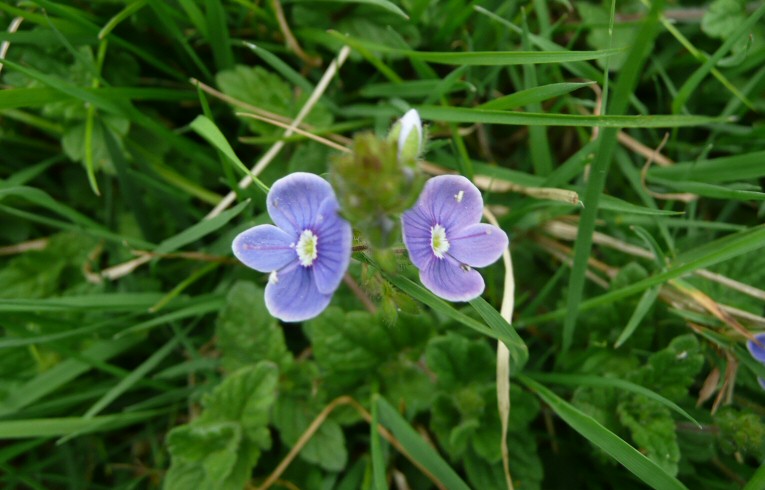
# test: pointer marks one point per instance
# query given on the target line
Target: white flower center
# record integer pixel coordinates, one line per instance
(438, 241)
(306, 248)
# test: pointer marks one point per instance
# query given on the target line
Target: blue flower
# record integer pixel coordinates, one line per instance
(306, 253)
(445, 238)
(758, 352)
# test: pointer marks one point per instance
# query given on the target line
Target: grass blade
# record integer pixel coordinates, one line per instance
(607, 381)
(209, 131)
(417, 448)
(642, 467)
(519, 353)
(482, 58)
(22, 429)
(531, 96)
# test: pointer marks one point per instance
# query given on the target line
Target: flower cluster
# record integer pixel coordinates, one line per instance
(758, 352)
(308, 251)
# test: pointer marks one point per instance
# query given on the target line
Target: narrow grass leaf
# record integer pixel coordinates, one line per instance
(757, 481)
(51, 380)
(531, 96)
(209, 131)
(480, 116)
(483, 58)
(724, 169)
(711, 190)
(16, 98)
(53, 427)
(642, 467)
(378, 460)
(647, 300)
(217, 32)
(92, 302)
(519, 353)
(611, 382)
(383, 4)
(704, 256)
(417, 448)
(123, 14)
(625, 85)
(200, 230)
(690, 85)
(200, 305)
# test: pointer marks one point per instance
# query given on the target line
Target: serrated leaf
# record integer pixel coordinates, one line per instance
(245, 331)
(205, 452)
(458, 361)
(349, 347)
(245, 396)
(653, 430)
(741, 431)
(227, 470)
(671, 371)
(260, 88)
(326, 447)
(723, 17)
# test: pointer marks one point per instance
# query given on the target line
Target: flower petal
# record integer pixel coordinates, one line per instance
(416, 231)
(478, 245)
(757, 351)
(335, 238)
(264, 248)
(294, 200)
(291, 295)
(446, 279)
(451, 201)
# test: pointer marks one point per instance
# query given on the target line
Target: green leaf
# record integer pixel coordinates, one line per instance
(262, 89)
(652, 429)
(741, 431)
(219, 449)
(383, 4)
(723, 17)
(326, 447)
(457, 361)
(599, 38)
(532, 96)
(351, 346)
(481, 58)
(642, 467)
(200, 230)
(519, 353)
(482, 116)
(671, 371)
(245, 396)
(417, 448)
(711, 190)
(54, 427)
(609, 381)
(209, 131)
(204, 456)
(246, 332)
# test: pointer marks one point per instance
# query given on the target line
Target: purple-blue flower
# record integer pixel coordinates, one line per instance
(306, 253)
(758, 352)
(445, 238)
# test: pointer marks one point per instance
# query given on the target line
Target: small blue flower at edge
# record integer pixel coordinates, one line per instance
(445, 239)
(306, 253)
(758, 352)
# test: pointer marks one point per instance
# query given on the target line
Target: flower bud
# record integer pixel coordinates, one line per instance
(374, 187)
(408, 134)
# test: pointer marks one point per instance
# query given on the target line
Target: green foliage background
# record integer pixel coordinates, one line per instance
(171, 373)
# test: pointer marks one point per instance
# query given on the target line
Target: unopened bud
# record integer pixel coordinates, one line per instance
(407, 133)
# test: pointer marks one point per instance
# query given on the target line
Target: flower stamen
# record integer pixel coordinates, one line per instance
(307, 248)
(438, 241)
